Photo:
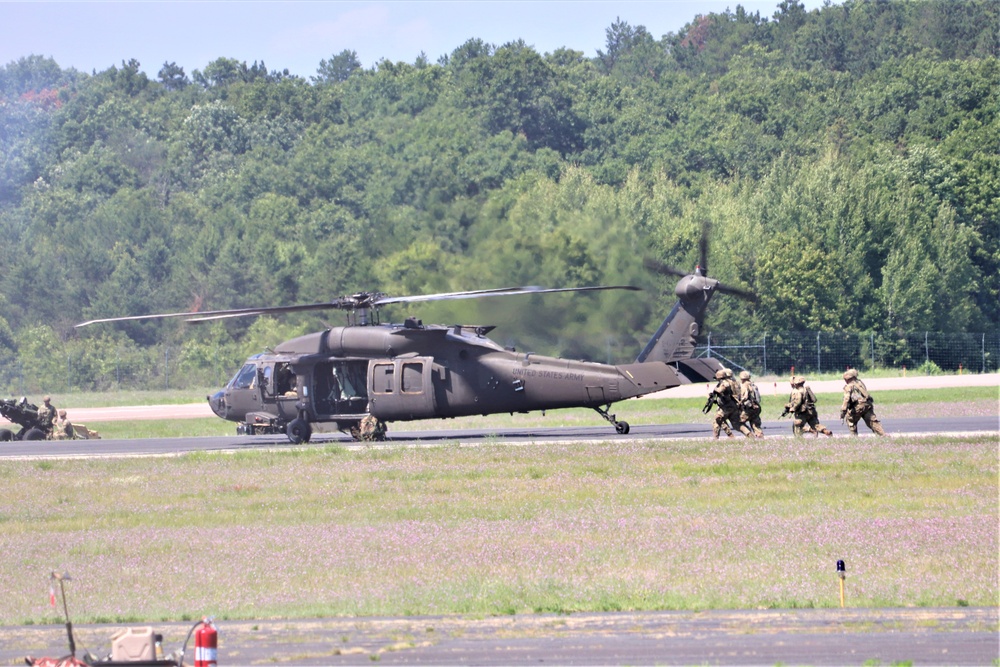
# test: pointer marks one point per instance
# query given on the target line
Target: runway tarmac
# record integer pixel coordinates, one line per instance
(987, 425)
(939, 636)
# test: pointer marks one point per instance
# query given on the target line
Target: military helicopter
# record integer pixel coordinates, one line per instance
(412, 371)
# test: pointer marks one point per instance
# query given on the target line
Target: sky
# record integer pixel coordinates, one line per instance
(297, 35)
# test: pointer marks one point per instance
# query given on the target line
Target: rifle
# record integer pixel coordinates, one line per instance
(787, 410)
(713, 399)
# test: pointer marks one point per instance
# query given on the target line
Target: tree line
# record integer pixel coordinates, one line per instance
(845, 161)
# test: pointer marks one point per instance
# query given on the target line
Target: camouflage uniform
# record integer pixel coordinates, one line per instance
(802, 404)
(750, 407)
(46, 415)
(62, 428)
(371, 429)
(727, 400)
(858, 405)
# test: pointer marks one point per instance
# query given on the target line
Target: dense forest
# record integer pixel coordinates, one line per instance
(846, 161)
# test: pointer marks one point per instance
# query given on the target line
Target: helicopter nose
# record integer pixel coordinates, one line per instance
(217, 402)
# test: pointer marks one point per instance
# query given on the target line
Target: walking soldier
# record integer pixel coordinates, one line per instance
(858, 404)
(802, 405)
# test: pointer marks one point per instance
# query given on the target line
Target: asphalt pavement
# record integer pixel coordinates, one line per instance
(917, 636)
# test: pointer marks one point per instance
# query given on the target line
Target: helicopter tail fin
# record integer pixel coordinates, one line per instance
(674, 341)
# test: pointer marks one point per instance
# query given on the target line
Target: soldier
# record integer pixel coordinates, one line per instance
(802, 405)
(749, 407)
(46, 415)
(62, 428)
(371, 429)
(727, 400)
(858, 404)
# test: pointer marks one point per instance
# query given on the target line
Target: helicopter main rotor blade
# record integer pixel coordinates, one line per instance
(359, 301)
(501, 291)
(354, 302)
(206, 315)
(737, 291)
(661, 268)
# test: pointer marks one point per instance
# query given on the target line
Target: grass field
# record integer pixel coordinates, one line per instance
(504, 529)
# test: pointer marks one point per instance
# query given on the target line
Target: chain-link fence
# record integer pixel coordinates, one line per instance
(926, 352)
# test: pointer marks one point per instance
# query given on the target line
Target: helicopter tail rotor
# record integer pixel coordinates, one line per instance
(700, 271)
(675, 340)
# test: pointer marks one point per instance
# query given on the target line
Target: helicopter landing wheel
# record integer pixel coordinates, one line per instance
(298, 431)
(621, 427)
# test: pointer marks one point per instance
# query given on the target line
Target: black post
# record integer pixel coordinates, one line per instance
(69, 624)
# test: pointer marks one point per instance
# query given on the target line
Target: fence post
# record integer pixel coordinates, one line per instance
(708, 350)
(819, 365)
(984, 353)
(765, 353)
(873, 350)
(927, 351)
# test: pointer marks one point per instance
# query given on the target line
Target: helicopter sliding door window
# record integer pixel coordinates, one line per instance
(413, 378)
(382, 378)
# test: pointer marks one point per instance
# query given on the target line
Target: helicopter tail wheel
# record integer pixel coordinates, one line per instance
(621, 427)
(298, 431)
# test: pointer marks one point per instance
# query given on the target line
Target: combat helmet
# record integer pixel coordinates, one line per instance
(720, 374)
(744, 375)
(850, 374)
(728, 372)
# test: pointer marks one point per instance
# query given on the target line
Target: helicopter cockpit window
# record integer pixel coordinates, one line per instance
(413, 378)
(244, 379)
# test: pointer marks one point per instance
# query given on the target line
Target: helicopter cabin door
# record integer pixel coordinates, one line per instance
(340, 388)
(401, 389)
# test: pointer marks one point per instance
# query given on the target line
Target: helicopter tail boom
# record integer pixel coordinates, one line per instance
(645, 378)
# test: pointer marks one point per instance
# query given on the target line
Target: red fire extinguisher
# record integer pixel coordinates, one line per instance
(206, 644)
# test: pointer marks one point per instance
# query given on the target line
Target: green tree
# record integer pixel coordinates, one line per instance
(797, 286)
(172, 76)
(517, 91)
(42, 359)
(338, 68)
(33, 74)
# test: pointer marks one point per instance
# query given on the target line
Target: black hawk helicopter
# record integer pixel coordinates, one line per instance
(410, 371)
